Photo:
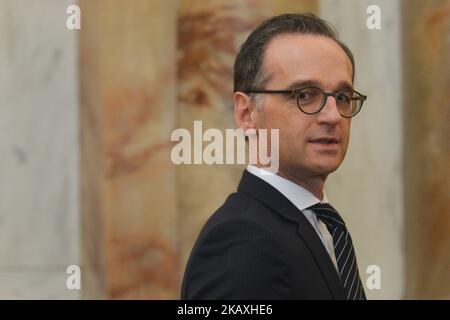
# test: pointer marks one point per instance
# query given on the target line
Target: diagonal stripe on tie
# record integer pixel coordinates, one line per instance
(343, 250)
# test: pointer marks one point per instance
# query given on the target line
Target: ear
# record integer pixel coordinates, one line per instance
(243, 109)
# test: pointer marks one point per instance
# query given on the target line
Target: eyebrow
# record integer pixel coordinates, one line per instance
(311, 83)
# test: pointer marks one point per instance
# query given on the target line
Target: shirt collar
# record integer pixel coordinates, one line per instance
(298, 195)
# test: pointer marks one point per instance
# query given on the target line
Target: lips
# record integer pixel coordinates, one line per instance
(325, 140)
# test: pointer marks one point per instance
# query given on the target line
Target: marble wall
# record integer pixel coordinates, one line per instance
(128, 196)
(39, 221)
(101, 123)
(368, 188)
(426, 65)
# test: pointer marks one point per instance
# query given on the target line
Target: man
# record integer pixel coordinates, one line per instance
(277, 237)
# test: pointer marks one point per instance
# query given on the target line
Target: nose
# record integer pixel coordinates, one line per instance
(329, 113)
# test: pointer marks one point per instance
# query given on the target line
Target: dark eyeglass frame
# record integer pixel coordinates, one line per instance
(296, 92)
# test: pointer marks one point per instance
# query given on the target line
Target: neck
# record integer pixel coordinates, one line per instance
(314, 183)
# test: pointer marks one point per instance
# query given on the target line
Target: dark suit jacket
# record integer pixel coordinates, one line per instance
(258, 245)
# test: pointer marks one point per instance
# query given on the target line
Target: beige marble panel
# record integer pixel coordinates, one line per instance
(368, 187)
(426, 48)
(128, 73)
(209, 35)
(39, 222)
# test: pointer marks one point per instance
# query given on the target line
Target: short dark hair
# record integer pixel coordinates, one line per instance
(248, 71)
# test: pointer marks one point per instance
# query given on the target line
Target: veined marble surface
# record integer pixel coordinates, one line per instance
(427, 171)
(39, 223)
(142, 214)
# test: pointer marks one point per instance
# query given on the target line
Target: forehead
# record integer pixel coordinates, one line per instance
(298, 57)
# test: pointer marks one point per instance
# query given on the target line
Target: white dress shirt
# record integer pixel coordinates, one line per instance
(302, 199)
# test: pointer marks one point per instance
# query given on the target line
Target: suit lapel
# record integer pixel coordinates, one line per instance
(271, 197)
(323, 260)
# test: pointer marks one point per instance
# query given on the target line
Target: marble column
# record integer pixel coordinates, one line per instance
(426, 52)
(209, 36)
(368, 187)
(39, 223)
(127, 77)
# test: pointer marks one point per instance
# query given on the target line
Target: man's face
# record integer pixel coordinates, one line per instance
(296, 61)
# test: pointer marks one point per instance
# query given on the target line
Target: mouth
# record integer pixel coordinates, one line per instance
(325, 141)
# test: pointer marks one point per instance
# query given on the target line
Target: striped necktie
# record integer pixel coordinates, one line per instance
(343, 250)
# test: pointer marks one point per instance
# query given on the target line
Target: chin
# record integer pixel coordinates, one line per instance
(326, 168)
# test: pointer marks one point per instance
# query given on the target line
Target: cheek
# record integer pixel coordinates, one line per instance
(345, 138)
(346, 131)
(292, 142)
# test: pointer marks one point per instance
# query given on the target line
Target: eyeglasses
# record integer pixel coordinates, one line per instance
(311, 100)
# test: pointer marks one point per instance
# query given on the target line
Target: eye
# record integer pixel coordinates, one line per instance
(308, 94)
(344, 97)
